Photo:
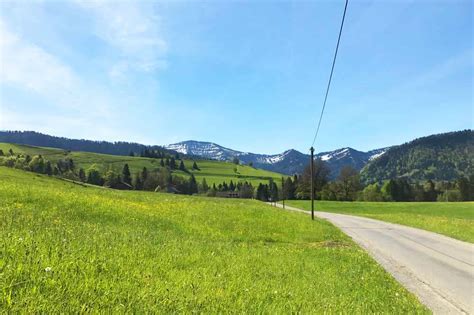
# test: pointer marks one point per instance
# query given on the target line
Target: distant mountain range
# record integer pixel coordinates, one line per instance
(289, 162)
(438, 157)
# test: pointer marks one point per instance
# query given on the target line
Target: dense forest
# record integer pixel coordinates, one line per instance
(42, 140)
(438, 157)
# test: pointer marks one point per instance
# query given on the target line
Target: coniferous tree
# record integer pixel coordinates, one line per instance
(231, 186)
(70, 164)
(82, 175)
(11, 152)
(172, 163)
(193, 186)
(463, 186)
(144, 174)
(94, 177)
(181, 166)
(273, 190)
(430, 192)
(195, 166)
(126, 176)
(137, 181)
(1, 152)
(162, 163)
(167, 162)
(204, 185)
(55, 171)
(131, 153)
(48, 169)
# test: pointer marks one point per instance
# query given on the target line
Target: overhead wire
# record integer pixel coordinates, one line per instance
(330, 76)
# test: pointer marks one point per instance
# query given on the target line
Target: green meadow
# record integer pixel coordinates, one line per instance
(454, 219)
(214, 171)
(67, 248)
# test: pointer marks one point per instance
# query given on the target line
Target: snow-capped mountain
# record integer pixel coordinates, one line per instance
(206, 150)
(288, 162)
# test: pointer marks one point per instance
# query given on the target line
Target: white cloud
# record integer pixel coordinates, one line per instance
(33, 68)
(133, 29)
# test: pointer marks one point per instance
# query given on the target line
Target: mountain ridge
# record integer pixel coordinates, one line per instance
(288, 162)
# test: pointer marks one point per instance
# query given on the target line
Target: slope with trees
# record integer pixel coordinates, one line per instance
(438, 157)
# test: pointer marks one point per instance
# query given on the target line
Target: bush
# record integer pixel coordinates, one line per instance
(450, 195)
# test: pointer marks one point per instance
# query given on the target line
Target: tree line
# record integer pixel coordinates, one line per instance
(347, 186)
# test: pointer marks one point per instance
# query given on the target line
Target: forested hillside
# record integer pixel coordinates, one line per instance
(438, 157)
(105, 147)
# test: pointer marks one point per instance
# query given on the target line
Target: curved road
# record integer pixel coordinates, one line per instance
(436, 268)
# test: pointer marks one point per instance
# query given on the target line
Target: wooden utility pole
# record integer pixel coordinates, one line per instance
(312, 183)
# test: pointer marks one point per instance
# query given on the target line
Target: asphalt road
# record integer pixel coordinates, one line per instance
(436, 268)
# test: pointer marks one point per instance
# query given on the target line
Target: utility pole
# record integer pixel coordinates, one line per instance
(312, 182)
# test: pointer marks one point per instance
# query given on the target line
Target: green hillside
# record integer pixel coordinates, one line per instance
(214, 171)
(66, 248)
(444, 156)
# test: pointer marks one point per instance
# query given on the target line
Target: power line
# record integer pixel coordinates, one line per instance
(330, 76)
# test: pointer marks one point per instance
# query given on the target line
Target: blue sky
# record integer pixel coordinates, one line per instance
(249, 75)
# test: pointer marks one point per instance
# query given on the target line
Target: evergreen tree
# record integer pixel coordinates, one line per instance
(235, 160)
(162, 163)
(126, 176)
(82, 175)
(193, 186)
(48, 169)
(167, 163)
(144, 174)
(137, 181)
(11, 152)
(273, 190)
(181, 166)
(463, 186)
(94, 177)
(69, 163)
(204, 185)
(430, 192)
(246, 190)
(231, 186)
(195, 166)
(172, 163)
(55, 171)
(1, 152)
(131, 153)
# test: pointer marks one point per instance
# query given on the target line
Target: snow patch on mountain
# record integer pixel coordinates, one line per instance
(288, 162)
(375, 154)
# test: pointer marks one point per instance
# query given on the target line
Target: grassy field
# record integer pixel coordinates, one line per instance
(454, 219)
(65, 248)
(214, 171)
